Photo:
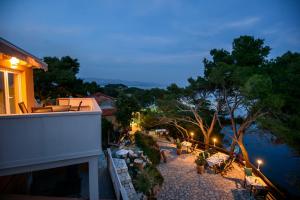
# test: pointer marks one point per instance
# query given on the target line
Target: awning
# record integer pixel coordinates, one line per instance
(9, 49)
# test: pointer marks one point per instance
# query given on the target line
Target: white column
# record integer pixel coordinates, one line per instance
(93, 179)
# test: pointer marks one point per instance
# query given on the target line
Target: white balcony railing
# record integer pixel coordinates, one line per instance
(40, 140)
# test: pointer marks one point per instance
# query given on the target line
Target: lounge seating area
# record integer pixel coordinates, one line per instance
(53, 108)
(224, 175)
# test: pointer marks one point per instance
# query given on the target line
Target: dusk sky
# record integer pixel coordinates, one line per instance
(160, 41)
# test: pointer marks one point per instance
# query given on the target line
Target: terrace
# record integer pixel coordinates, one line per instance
(35, 137)
(37, 141)
(181, 180)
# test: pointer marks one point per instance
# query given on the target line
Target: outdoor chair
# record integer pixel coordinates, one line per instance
(248, 172)
(194, 148)
(219, 168)
(76, 108)
(260, 193)
(22, 107)
(205, 154)
(228, 166)
(211, 151)
(61, 108)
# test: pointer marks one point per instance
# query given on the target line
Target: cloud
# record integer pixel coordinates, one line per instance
(57, 30)
(184, 58)
(216, 27)
(142, 39)
(247, 22)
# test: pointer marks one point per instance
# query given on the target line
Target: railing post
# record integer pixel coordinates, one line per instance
(93, 179)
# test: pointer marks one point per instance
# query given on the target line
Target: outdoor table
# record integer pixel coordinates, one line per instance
(217, 159)
(59, 108)
(139, 163)
(187, 145)
(255, 183)
(122, 153)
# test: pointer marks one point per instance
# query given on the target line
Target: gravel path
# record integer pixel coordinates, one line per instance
(181, 180)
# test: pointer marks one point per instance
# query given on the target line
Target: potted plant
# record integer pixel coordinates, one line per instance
(200, 162)
(179, 148)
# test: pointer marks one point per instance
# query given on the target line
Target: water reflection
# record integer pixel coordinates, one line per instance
(281, 163)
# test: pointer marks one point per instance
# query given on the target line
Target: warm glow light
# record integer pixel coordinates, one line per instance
(259, 161)
(192, 134)
(14, 61)
(214, 139)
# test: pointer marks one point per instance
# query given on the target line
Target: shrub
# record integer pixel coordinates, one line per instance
(179, 145)
(200, 161)
(149, 146)
(147, 180)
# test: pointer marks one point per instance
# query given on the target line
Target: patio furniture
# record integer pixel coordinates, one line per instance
(76, 108)
(59, 108)
(255, 183)
(139, 163)
(193, 148)
(217, 159)
(260, 193)
(205, 154)
(22, 107)
(228, 166)
(163, 155)
(122, 153)
(187, 145)
(248, 172)
(41, 109)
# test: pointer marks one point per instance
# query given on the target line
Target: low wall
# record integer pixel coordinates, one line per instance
(119, 189)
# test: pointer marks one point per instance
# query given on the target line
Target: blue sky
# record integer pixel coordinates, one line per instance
(161, 41)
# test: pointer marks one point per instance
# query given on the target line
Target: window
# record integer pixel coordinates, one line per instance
(10, 95)
(2, 95)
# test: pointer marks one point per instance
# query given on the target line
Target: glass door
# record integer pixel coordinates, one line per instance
(2, 94)
(10, 92)
(13, 91)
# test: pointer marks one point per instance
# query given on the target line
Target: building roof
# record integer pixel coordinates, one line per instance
(12, 50)
(100, 94)
(108, 111)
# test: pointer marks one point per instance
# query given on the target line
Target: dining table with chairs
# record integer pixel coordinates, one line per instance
(217, 159)
(56, 108)
(187, 145)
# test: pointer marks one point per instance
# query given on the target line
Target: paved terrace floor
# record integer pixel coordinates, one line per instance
(181, 180)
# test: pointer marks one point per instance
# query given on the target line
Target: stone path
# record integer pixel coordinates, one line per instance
(181, 180)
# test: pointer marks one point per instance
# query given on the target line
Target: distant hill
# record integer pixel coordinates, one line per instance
(138, 84)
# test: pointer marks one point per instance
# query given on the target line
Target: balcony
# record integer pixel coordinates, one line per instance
(37, 141)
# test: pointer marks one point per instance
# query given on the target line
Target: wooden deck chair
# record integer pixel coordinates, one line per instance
(22, 107)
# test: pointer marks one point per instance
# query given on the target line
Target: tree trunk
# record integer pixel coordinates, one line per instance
(243, 150)
(206, 142)
(233, 143)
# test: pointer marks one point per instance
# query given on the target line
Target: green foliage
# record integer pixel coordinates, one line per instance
(60, 80)
(257, 86)
(107, 128)
(148, 179)
(268, 87)
(126, 105)
(248, 51)
(149, 146)
(284, 119)
(178, 145)
(200, 161)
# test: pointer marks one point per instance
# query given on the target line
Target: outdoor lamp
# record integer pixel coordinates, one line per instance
(192, 134)
(14, 61)
(259, 162)
(214, 141)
